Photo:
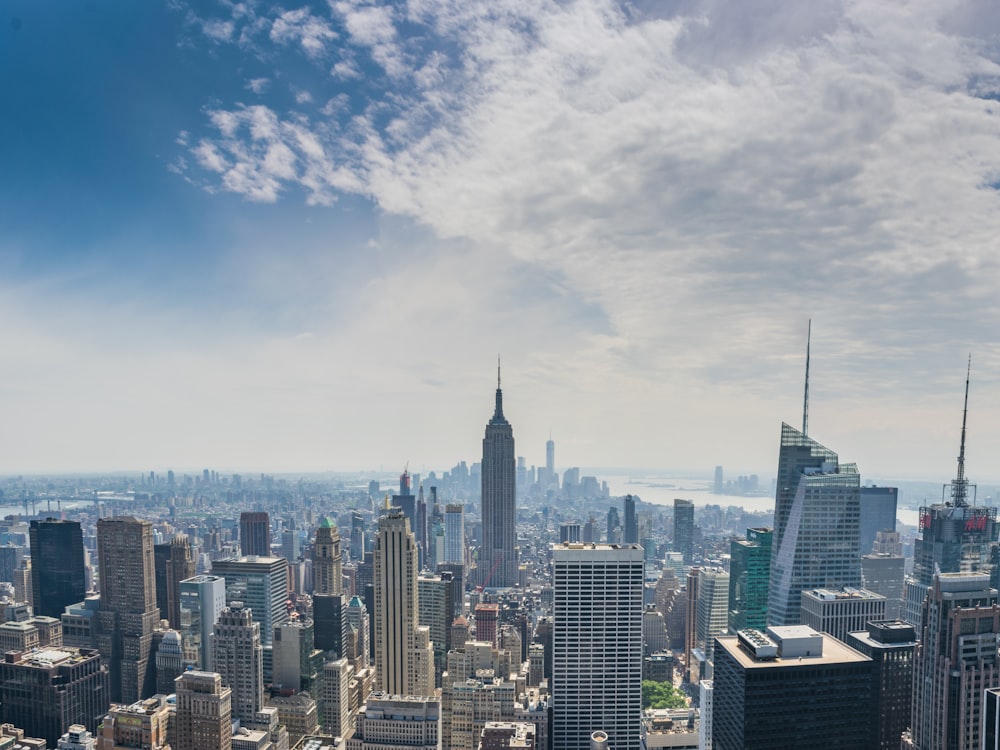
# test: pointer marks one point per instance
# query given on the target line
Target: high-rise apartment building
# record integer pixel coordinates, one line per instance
(890, 645)
(46, 690)
(173, 563)
(238, 657)
(128, 613)
(630, 534)
(454, 533)
(260, 584)
(58, 577)
(204, 712)
(749, 574)
(816, 525)
(202, 600)
(597, 644)
(684, 528)
(401, 665)
(691, 667)
(328, 575)
(955, 661)
(255, 534)
(498, 567)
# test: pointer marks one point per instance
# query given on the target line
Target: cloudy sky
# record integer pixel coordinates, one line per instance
(242, 235)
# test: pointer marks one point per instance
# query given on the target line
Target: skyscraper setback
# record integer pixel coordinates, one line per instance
(497, 555)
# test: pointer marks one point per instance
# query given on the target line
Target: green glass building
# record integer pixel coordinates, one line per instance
(749, 574)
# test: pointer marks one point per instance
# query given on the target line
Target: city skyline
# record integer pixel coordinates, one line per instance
(296, 237)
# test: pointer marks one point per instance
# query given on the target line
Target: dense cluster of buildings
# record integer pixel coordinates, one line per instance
(256, 616)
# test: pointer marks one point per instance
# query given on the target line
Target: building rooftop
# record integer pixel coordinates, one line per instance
(833, 651)
(839, 594)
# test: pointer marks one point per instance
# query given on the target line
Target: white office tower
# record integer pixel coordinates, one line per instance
(335, 703)
(203, 597)
(239, 657)
(705, 707)
(597, 645)
(404, 656)
(713, 608)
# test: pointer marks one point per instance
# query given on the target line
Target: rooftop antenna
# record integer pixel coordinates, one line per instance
(498, 372)
(960, 487)
(805, 396)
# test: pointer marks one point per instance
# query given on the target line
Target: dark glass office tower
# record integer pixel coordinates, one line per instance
(817, 525)
(497, 555)
(172, 562)
(631, 532)
(255, 534)
(684, 528)
(890, 644)
(878, 513)
(57, 568)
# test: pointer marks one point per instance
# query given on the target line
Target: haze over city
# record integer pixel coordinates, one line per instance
(295, 238)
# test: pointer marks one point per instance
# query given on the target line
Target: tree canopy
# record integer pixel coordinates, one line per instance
(662, 695)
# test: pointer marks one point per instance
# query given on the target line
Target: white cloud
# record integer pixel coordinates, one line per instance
(703, 177)
(258, 85)
(301, 27)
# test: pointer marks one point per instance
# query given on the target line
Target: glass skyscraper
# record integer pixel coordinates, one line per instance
(749, 574)
(817, 525)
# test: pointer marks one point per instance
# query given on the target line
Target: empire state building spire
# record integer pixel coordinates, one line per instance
(498, 417)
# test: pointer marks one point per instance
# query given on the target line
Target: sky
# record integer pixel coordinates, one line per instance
(245, 235)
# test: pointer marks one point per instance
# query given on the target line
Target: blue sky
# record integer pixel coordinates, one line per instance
(244, 235)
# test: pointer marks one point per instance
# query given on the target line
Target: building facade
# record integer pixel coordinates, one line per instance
(789, 689)
(255, 534)
(955, 661)
(204, 712)
(202, 599)
(841, 611)
(597, 644)
(684, 529)
(260, 584)
(749, 576)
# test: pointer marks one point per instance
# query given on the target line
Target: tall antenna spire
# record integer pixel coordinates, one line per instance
(498, 411)
(960, 487)
(805, 397)
(498, 372)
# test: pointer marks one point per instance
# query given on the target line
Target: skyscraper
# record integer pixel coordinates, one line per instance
(46, 690)
(684, 528)
(791, 689)
(497, 556)
(749, 573)
(597, 644)
(878, 513)
(954, 535)
(956, 659)
(260, 584)
(173, 563)
(255, 534)
(816, 525)
(203, 598)
(328, 577)
(400, 667)
(204, 711)
(631, 531)
(239, 658)
(128, 612)
(713, 608)
(890, 645)
(58, 578)
(454, 533)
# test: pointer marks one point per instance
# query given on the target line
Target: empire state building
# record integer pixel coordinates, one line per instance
(497, 556)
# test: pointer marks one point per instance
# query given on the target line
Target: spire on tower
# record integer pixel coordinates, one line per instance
(498, 411)
(960, 487)
(805, 397)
